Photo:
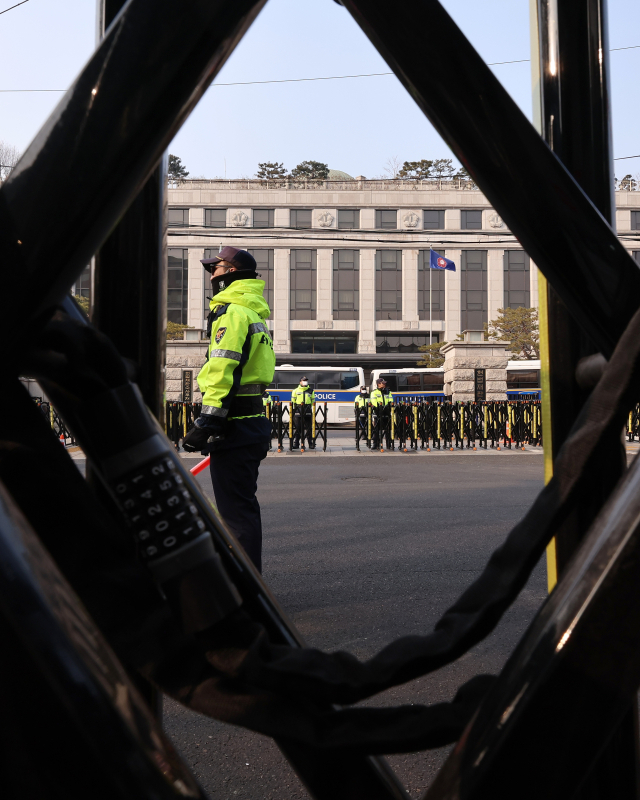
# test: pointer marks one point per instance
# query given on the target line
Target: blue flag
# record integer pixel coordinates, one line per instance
(440, 262)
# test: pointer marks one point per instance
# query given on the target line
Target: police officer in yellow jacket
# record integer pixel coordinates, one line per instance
(302, 399)
(240, 364)
(361, 404)
(381, 400)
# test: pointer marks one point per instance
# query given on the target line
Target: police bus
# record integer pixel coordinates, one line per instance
(523, 381)
(338, 387)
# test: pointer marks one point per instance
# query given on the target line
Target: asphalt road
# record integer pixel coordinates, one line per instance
(359, 552)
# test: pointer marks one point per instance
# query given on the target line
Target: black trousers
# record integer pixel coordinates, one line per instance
(234, 475)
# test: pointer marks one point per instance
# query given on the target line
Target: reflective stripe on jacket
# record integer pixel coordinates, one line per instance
(240, 359)
(362, 400)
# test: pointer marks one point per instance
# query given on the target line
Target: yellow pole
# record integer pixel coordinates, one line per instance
(393, 422)
(545, 385)
(369, 422)
(291, 421)
(313, 421)
(415, 423)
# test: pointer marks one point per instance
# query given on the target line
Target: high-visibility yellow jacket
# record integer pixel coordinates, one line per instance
(362, 400)
(302, 396)
(240, 359)
(266, 399)
(379, 398)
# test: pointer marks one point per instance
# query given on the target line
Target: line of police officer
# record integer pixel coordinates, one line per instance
(381, 399)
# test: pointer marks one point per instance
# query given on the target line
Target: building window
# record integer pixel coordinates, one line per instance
(264, 261)
(300, 218)
(178, 217)
(349, 218)
(433, 278)
(433, 219)
(470, 220)
(516, 279)
(636, 255)
(389, 284)
(401, 343)
(387, 219)
(473, 278)
(302, 277)
(177, 292)
(215, 218)
(635, 220)
(346, 280)
(82, 286)
(263, 218)
(340, 344)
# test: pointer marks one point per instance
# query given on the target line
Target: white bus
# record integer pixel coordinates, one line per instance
(523, 381)
(338, 387)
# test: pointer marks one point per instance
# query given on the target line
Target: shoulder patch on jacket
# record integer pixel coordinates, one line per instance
(219, 334)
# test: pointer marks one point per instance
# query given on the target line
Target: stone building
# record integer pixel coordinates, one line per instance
(346, 265)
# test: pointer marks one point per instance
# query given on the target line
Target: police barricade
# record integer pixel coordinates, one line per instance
(57, 425)
(180, 418)
(428, 424)
(299, 426)
(633, 424)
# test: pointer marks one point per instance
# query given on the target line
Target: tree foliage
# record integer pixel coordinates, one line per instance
(432, 355)
(519, 326)
(627, 183)
(83, 302)
(416, 170)
(271, 170)
(9, 157)
(174, 330)
(312, 170)
(177, 170)
(442, 168)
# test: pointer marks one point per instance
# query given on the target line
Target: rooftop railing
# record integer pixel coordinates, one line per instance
(430, 184)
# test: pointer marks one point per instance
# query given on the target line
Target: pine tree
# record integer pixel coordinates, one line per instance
(271, 170)
(432, 355)
(443, 168)
(416, 170)
(177, 170)
(519, 327)
(312, 170)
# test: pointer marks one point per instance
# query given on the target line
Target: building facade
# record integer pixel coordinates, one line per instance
(346, 265)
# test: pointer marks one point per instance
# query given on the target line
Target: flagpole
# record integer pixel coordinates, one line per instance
(430, 312)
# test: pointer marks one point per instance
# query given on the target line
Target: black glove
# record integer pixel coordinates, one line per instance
(204, 434)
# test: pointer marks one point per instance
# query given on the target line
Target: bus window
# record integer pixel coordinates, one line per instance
(348, 380)
(328, 380)
(523, 379)
(433, 381)
(290, 380)
(392, 382)
(413, 382)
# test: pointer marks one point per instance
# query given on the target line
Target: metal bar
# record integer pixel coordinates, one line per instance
(570, 242)
(575, 121)
(570, 682)
(102, 142)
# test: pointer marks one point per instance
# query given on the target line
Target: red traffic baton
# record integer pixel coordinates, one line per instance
(202, 465)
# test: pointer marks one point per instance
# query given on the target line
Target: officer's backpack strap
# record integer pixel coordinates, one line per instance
(215, 314)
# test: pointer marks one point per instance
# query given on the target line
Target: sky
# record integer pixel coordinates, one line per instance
(355, 125)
